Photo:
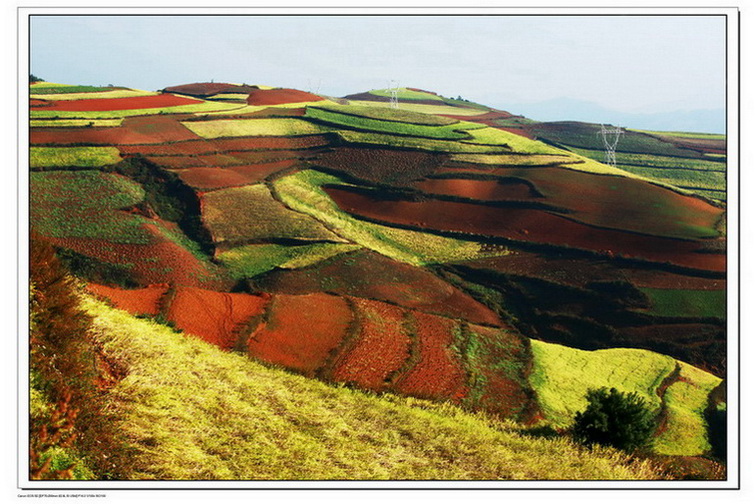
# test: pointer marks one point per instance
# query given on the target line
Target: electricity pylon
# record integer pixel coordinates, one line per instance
(610, 138)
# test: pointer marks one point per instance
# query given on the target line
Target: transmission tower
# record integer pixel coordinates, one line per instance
(610, 136)
(393, 88)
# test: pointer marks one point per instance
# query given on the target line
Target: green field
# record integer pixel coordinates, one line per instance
(387, 114)
(684, 134)
(650, 160)
(518, 143)
(250, 213)
(187, 410)
(251, 260)
(49, 88)
(561, 377)
(85, 157)
(114, 93)
(97, 198)
(66, 123)
(445, 132)
(426, 144)
(422, 108)
(302, 191)
(255, 127)
(194, 108)
(514, 159)
(406, 94)
(687, 399)
(687, 303)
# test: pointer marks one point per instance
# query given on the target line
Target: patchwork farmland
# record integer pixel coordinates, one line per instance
(443, 251)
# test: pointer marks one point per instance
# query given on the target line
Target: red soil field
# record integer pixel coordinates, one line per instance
(144, 301)
(503, 392)
(665, 280)
(618, 202)
(210, 178)
(523, 224)
(301, 331)
(481, 190)
(216, 317)
(278, 96)
(208, 88)
(202, 146)
(575, 272)
(135, 130)
(381, 165)
(159, 261)
(137, 102)
(485, 118)
(366, 274)
(380, 349)
(35, 102)
(163, 128)
(224, 160)
(439, 373)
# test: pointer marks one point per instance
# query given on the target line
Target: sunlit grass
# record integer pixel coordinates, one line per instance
(65, 123)
(115, 93)
(188, 410)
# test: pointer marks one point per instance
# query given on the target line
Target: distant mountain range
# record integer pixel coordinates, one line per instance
(563, 109)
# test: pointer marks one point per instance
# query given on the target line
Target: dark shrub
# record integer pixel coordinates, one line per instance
(614, 418)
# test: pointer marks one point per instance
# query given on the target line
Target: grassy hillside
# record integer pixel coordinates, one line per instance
(191, 411)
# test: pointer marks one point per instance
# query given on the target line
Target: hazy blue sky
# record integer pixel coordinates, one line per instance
(632, 64)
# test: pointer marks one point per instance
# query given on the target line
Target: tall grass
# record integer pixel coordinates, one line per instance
(192, 411)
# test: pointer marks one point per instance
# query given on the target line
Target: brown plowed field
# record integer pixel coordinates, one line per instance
(481, 190)
(278, 96)
(615, 202)
(202, 146)
(216, 317)
(665, 280)
(301, 331)
(523, 224)
(160, 261)
(575, 272)
(137, 102)
(83, 135)
(380, 350)
(154, 131)
(381, 165)
(366, 274)
(144, 301)
(207, 179)
(438, 374)
(223, 160)
(208, 88)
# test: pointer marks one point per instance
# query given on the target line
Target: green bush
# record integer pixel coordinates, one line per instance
(613, 418)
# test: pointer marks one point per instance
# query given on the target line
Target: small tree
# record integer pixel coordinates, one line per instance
(614, 418)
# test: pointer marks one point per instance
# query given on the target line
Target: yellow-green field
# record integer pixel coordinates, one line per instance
(562, 375)
(90, 157)
(208, 106)
(189, 411)
(116, 93)
(67, 123)
(425, 109)
(255, 127)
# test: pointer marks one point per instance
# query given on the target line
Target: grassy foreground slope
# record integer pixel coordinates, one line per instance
(188, 410)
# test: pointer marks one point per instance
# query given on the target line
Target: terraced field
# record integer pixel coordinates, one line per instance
(438, 250)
